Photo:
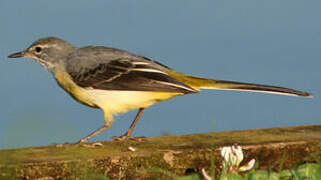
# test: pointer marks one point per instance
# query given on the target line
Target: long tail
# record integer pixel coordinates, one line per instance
(203, 83)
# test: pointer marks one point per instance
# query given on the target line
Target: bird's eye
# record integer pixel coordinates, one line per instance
(38, 49)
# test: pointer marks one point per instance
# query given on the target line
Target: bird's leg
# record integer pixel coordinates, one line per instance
(128, 134)
(98, 131)
(108, 122)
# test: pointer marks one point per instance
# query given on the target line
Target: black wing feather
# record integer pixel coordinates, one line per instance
(120, 74)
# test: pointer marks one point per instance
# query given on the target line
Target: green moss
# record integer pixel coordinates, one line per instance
(276, 148)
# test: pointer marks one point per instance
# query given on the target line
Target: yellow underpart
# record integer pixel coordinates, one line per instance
(114, 101)
(111, 101)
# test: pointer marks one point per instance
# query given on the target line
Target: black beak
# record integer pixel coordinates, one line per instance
(17, 55)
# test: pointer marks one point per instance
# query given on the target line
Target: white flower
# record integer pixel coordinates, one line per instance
(233, 156)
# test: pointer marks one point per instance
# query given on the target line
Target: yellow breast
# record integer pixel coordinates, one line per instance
(80, 94)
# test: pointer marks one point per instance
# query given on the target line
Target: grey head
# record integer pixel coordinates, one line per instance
(49, 52)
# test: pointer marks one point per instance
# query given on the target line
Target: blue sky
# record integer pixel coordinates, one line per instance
(267, 42)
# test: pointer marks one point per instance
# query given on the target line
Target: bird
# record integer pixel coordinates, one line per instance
(117, 81)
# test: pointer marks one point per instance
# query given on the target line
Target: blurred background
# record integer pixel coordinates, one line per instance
(268, 42)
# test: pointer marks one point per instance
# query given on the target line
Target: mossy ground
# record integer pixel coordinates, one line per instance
(273, 148)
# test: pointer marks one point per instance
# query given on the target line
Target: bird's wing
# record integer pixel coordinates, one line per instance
(130, 74)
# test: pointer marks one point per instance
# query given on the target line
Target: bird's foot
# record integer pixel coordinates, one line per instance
(88, 144)
(92, 145)
(126, 136)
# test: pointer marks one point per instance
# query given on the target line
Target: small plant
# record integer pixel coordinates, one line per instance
(233, 156)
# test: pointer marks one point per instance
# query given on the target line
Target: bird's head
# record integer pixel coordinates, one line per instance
(47, 51)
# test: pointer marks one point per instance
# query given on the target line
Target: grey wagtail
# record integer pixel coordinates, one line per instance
(117, 81)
